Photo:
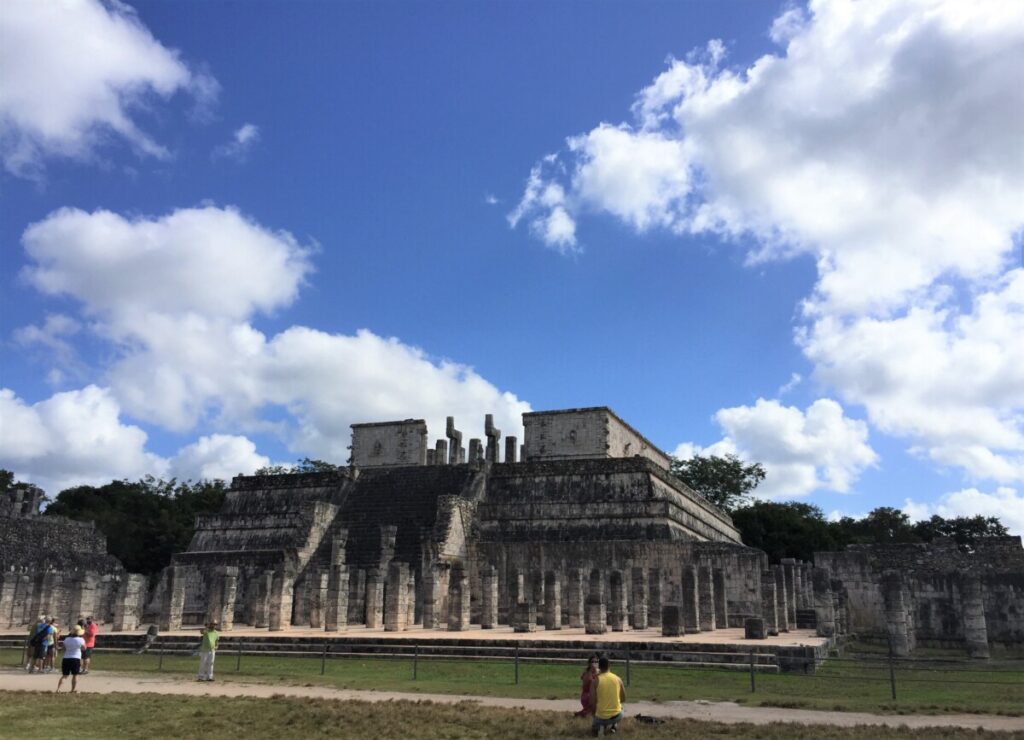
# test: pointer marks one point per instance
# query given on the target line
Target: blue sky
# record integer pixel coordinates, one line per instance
(229, 230)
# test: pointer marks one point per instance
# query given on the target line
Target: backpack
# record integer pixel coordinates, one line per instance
(38, 637)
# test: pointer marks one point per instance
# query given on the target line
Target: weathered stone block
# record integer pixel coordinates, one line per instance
(525, 617)
(754, 629)
(671, 620)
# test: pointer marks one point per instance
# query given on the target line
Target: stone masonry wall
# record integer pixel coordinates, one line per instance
(574, 434)
(935, 579)
(389, 443)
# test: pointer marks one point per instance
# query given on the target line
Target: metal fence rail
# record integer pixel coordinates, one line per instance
(870, 668)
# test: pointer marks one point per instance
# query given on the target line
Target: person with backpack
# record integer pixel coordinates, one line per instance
(29, 652)
(51, 645)
(38, 644)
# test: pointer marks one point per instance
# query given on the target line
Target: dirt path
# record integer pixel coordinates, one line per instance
(728, 712)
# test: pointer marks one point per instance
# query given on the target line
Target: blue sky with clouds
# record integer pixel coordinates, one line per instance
(230, 230)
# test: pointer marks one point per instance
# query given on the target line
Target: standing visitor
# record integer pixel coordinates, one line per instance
(587, 683)
(89, 634)
(606, 699)
(51, 645)
(71, 665)
(37, 645)
(207, 652)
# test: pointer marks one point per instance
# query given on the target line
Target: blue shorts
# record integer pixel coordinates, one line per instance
(607, 722)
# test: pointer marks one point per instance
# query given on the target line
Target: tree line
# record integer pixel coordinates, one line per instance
(794, 529)
(148, 520)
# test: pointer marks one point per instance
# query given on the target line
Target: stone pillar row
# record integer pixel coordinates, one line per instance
(687, 600)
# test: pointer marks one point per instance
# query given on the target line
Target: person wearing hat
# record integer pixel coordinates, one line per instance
(71, 665)
(207, 652)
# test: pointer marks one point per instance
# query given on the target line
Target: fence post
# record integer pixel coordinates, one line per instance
(627, 667)
(753, 684)
(323, 660)
(892, 670)
(160, 662)
(238, 659)
(415, 660)
(517, 664)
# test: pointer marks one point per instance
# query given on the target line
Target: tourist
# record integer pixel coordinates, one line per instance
(207, 652)
(71, 665)
(51, 645)
(37, 645)
(587, 682)
(151, 635)
(606, 699)
(89, 631)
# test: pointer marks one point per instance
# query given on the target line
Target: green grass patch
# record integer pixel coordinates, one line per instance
(837, 686)
(152, 716)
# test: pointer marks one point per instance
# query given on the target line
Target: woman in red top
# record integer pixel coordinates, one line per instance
(588, 679)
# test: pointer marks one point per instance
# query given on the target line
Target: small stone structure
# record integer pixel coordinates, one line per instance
(59, 567)
(932, 594)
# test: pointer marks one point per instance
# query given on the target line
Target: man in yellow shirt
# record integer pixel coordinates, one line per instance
(606, 700)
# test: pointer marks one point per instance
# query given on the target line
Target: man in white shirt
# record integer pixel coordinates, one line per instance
(72, 663)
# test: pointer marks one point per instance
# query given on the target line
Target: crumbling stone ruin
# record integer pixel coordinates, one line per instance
(581, 526)
(933, 594)
(60, 567)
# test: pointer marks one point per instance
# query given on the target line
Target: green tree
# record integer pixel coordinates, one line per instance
(146, 521)
(305, 465)
(724, 481)
(785, 530)
(964, 530)
(882, 525)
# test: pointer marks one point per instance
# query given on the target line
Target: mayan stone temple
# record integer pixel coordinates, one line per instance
(579, 528)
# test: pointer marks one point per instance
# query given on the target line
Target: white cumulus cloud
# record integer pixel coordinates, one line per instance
(882, 138)
(72, 438)
(220, 456)
(74, 73)
(206, 261)
(177, 296)
(801, 451)
(1006, 504)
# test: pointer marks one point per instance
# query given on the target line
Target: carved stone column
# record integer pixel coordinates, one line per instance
(706, 598)
(552, 601)
(396, 609)
(691, 600)
(639, 611)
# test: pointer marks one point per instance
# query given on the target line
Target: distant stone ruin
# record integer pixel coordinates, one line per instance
(582, 526)
(933, 594)
(60, 568)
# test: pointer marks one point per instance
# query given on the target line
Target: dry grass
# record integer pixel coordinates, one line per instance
(26, 716)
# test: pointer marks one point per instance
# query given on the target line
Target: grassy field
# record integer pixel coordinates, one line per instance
(837, 686)
(153, 716)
